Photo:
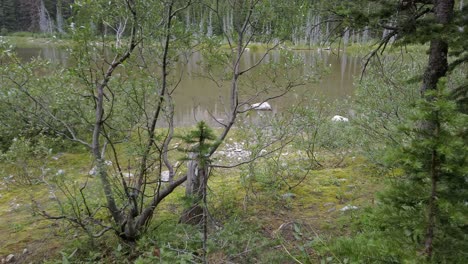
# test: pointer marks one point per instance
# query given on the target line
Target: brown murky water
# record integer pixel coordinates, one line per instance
(198, 98)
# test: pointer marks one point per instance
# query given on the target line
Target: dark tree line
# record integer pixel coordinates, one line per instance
(302, 22)
(34, 15)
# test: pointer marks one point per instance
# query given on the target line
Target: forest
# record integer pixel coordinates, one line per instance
(233, 131)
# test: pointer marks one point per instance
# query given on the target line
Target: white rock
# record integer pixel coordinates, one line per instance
(60, 172)
(165, 176)
(265, 106)
(348, 207)
(25, 251)
(93, 171)
(128, 174)
(10, 258)
(52, 195)
(108, 162)
(338, 118)
(288, 195)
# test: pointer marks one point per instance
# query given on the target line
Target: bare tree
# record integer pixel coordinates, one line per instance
(246, 14)
(59, 16)
(130, 198)
(45, 22)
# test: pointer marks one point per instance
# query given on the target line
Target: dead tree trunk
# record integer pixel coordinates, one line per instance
(45, 23)
(197, 178)
(59, 17)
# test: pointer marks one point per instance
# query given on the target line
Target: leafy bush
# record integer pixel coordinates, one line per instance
(26, 160)
(397, 229)
(383, 102)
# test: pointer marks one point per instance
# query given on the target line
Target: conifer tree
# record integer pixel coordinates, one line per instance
(7, 16)
(423, 211)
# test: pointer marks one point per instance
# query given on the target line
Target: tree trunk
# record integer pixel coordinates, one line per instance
(59, 16)
(209, 31)
(197, 175)
(437, 68)
(45, 24)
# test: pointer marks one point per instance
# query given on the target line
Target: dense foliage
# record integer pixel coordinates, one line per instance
(116, 102)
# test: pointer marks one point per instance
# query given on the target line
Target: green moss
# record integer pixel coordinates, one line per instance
(260, 208)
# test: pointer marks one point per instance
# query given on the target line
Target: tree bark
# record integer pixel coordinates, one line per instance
(59, 17)
(45, 24)
(197, 176)
(436, 68)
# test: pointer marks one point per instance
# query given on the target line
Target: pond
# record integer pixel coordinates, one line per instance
(199, 98)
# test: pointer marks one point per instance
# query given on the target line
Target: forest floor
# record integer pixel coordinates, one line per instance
(268, 217)
(289, 214)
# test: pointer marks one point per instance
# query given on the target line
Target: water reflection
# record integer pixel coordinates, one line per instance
(198, 98)
(54, 54)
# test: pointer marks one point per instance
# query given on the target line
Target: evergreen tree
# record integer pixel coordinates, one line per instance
(8, 16)
(424, 210)
(395, 230)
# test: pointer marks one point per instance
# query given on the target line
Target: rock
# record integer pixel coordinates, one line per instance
(338, 118)
(14, 206)
(57, 157)
(108, 162)
(288, 195)
(25, 251)
(328, 204)
(10, 258)
(333, 209)
(165, 176)
(93, 171)
(60, 172)
(265, 106)
(52, 195)
(128, 174)
(348, 207)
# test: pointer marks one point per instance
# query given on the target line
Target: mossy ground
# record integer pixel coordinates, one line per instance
(20, 226)
(278, 223)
